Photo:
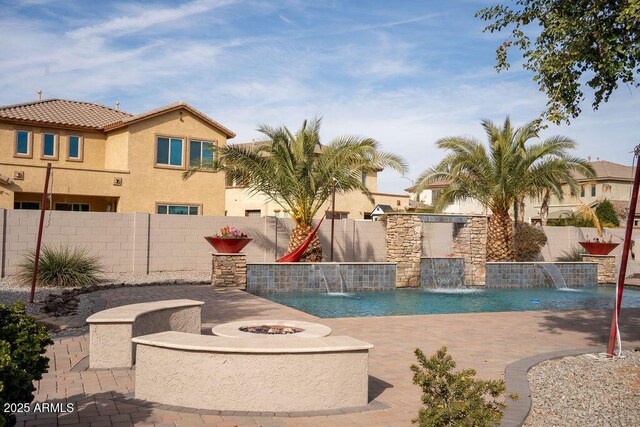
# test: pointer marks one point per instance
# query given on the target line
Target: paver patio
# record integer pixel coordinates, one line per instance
(487, 342)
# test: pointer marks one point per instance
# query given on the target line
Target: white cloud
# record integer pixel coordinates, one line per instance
(377, 80)
(146, 18)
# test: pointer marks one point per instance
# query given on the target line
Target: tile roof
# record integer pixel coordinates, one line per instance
(435, 184)
(170, 107)
(63, 112)
(87, 115)
(609, 170)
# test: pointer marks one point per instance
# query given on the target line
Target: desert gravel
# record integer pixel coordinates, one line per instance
(11, 290)
(586, 391)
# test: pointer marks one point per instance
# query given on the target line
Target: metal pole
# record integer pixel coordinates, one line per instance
(625, 255)
(39, 240)
(333, 216)
(276, 248)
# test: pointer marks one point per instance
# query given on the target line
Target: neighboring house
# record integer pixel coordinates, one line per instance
(354, 205)
(613, 182)
(105, 159)
(380, 210)
(429, 195)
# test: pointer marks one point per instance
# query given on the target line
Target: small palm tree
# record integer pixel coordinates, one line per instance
(502, 175)
(297, 172)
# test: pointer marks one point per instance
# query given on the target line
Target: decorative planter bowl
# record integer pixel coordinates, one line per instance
(226, 245)
(598, 248)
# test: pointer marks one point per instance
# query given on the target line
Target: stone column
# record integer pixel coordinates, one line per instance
(229, 270)
(606, 267)
(404, 247)
(470, 243)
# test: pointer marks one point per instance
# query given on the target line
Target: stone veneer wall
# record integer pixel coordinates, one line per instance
(404, 247)
(470, 243)
(606, 267)
(229, 270)
(530, 274)
(442, 272)
(308, 277)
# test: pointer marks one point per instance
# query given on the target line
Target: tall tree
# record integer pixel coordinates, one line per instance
(593, 40)
(498, 177)
(297, 172)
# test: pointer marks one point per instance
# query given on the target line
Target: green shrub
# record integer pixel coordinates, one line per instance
(573, 220)
(528, 242)
(62, 267)
(455, 398)
(22, 345)
(572, 255)
(607, 214)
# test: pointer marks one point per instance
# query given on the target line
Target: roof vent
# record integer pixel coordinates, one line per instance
(117, 105)
(39, 94)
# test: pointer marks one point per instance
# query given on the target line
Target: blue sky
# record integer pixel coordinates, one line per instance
(404, 72)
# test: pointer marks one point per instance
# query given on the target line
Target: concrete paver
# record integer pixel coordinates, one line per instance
(487, 342)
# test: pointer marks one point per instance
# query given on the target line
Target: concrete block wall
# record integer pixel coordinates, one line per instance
(106, 235)
(141, 242)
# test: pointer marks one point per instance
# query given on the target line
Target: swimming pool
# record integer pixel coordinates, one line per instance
(421, 301)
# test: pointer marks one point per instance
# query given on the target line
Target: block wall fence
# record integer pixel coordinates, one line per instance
(142, 243)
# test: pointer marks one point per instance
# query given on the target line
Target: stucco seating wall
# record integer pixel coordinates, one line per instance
(279, 374)
(111, 330)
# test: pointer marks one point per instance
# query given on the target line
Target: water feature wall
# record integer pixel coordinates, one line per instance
(310, 277)
(442, 272)
(529, 274)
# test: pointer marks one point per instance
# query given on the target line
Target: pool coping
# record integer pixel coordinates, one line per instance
(515, 377)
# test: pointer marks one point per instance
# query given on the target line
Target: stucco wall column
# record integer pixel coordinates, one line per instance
(229, 270)
(606, 267)
(404, 247)
(470, 243)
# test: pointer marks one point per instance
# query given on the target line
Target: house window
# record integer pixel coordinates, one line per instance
(23, 143)
(253, 212)
(26, 205)
(234, 181)
(75, 207)
(201, 151)
(435, 194)
(363, 178)
(582, 191)
(169, 151)
(593, 191)
(166, 209)
(74, 148)
(49, 145)
(339, 215)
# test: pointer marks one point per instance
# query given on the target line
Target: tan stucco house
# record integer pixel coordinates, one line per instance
(105, 159)
(354, 205)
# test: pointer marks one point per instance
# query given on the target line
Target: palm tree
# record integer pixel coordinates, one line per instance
(502, 175)
(297, 172)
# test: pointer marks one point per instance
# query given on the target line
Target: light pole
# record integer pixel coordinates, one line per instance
(333, 216)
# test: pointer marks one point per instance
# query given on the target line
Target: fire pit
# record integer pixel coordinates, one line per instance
(268, 328)
(271, 329)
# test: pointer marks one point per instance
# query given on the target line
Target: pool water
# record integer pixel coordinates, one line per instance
(421, 301)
